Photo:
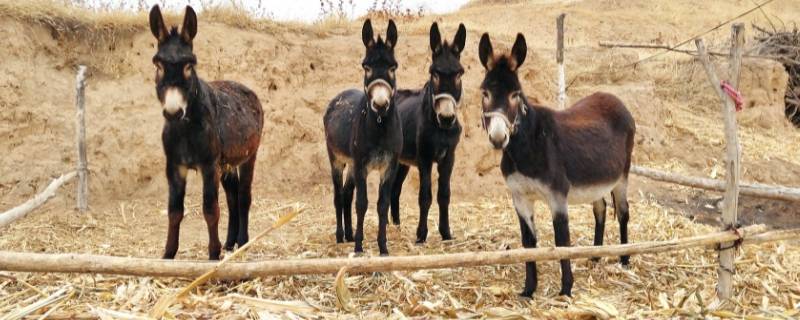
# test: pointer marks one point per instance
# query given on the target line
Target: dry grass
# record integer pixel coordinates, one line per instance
(677, 284)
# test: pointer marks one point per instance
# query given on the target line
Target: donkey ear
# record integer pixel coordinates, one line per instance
(189, 29)
(460, 39)
(436, 38)
(366, 34)
(157, 26)
(485, 50)
(391, 34)
(519, 50)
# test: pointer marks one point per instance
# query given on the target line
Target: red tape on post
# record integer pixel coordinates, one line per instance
(735, 95)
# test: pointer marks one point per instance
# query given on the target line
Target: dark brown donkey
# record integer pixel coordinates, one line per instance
(573, 156)
(431, 130)
(212, 127)
(363, 133)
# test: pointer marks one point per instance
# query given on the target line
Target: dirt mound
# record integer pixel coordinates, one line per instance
(296, 70)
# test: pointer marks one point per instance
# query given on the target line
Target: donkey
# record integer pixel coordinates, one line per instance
(212, 127)
(573, 156)
(431, 130)
(363, 133)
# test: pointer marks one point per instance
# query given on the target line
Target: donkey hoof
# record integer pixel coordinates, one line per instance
(447, 237)
(567, 293)
(525, 295)
(384, 254)
(595, 259)
(421, 241)
(229, 247)
(349, 239)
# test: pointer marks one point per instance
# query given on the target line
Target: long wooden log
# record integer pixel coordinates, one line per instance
(85, 263)
(23, 209)
(749, 189)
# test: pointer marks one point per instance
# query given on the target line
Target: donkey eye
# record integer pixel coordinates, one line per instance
(368, 71)
(435, 76)
(486, 97)
(187, 70)
(516, 95)
(391, 71)
(159, 70)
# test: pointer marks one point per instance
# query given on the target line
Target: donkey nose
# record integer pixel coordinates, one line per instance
(498, 142)
(380, 101)
(447, 121)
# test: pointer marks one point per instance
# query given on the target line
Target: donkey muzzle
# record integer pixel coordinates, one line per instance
(499, 129)
(174, 104)
(379, 92)
(445, 106)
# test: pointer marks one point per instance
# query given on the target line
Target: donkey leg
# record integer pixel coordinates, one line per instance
(400, 177)
(561, 229)
(384, 197)
(425, 199)
(246, 171)
(211, 209)
(445, 168)
(599, 209)
(347, 206)
(336, 176)
(176, 178)
(230, 183)
(524, 208)
(360, 178)
(621, 209)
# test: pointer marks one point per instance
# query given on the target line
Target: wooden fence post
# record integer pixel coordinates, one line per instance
(562, 90)
(80, 135)
(729, 211)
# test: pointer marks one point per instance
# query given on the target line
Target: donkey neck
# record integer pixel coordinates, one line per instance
(532, 146)
(199, 107)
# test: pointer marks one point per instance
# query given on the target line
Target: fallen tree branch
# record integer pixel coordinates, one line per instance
(38, 200)
(749, 189)
(84, 263)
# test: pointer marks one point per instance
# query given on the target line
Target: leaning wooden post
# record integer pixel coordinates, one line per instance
(729, 211)
(83, 184)
(562, 90)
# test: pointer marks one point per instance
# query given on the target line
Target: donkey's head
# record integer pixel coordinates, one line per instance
(176, 80)
(446, 71)
(503, 101)
(379, 67)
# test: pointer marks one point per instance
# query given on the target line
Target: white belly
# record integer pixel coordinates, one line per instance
(523, 185)
(590, 193)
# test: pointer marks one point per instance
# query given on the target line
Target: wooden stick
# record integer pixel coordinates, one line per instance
(730, 211)
(84, 263)
(562, 90)
(749, 189)
(80, 136)
(20, 211)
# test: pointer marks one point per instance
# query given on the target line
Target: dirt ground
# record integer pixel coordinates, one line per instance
(296, 69)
